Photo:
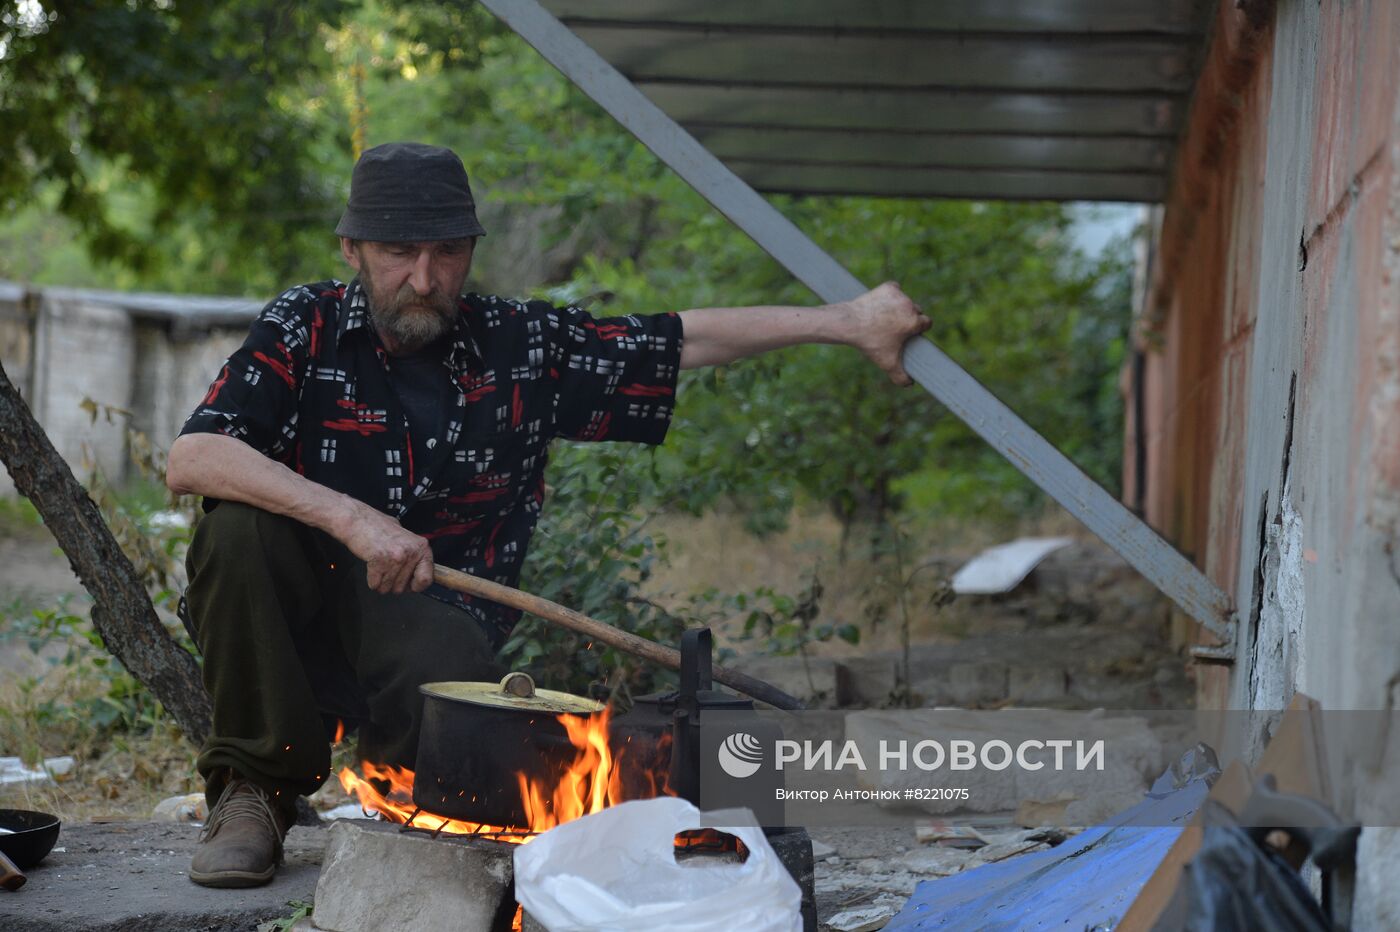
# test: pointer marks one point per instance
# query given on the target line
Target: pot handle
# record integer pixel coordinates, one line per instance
(518, 684)
(11, 877)
(697, 649)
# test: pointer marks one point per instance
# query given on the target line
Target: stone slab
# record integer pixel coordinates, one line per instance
(133, 877)
(376, 876)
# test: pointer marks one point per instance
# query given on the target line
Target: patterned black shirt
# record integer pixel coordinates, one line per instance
(310, 389)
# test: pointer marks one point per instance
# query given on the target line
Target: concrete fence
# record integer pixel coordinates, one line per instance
(153, 355)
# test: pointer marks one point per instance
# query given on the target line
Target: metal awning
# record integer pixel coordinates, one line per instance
(1071, 100)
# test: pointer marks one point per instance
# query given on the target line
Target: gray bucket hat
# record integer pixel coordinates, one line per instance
(407, 192)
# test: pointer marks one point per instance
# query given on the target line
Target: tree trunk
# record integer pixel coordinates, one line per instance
(122, 611)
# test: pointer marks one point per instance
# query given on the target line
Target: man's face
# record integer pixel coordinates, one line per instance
(412, 288)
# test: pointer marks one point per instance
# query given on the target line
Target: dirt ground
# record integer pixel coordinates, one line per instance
(32, 567)
(131, 876)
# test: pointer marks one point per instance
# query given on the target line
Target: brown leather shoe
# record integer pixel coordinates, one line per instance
(241, 844)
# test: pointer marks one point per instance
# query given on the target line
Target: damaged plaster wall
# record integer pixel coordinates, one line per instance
(1198, 325)
(1286, 283)
(1277, 642)
(1275, 357)
(1273, 395)
(1334, 330)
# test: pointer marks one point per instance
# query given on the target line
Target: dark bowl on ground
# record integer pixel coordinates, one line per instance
(33, 838)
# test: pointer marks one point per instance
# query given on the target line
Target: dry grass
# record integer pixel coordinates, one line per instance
(48, 708)
(716, 552)
(120, 774)
(123, 783)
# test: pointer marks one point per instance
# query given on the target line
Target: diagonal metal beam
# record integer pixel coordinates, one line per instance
(1029, 452)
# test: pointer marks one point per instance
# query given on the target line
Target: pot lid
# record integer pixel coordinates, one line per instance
(515, 691)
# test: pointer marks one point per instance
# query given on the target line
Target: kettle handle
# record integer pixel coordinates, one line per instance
(697, 647)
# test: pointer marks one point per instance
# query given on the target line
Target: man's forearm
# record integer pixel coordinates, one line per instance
(878, 323)
(718, 335)
(396, 560)
(227, 468)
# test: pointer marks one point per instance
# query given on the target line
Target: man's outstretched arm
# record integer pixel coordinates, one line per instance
(227, 468)
(878, 323)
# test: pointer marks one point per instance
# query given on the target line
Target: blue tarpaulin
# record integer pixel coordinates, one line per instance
(1087, 882)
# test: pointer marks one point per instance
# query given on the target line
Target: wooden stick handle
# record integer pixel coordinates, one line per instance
(600, 631)
(11, 877)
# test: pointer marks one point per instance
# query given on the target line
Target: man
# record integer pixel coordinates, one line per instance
(365, 431)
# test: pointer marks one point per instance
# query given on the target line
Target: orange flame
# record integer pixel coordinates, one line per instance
(591, 783)
(397, 804)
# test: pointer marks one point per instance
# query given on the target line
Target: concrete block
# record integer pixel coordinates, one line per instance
(377, 877)
(1033, 685)
(196, 364)
(1109, 691)
(971, 683)
(821, 682)
(870, 681)
(73, 330)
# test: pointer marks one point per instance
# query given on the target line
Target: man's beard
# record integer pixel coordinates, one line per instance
(409, 319)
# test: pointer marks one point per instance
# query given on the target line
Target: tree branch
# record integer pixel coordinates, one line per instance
(122, 611)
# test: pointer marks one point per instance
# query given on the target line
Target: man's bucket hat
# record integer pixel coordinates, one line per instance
(407, 192)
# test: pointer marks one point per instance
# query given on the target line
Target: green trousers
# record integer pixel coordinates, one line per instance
(293, 639)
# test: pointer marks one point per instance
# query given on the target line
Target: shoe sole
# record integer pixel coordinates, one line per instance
(233, 879)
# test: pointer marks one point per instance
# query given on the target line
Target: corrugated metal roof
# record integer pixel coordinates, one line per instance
(1056, 99)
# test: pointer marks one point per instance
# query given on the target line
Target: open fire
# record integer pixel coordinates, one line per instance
(590, 783)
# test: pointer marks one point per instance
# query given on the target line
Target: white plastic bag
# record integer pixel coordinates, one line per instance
(616, 871)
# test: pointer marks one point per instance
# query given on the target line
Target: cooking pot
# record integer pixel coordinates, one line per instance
(477, 738)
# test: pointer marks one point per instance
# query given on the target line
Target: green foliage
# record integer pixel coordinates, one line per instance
(592, 553)
(101, 700)
(1009, 300)
(145, 120)
(301, 909)
(900, 590)
(777, 623)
